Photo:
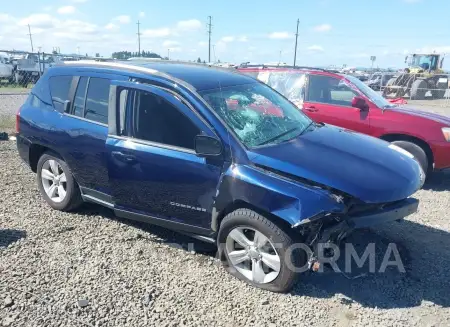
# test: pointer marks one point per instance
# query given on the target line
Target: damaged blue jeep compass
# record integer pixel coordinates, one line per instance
(212, 153)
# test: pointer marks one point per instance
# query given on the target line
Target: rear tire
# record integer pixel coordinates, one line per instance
(387, 90)
(279, 273)
(418, 89)
(418, 153)
(56, 183)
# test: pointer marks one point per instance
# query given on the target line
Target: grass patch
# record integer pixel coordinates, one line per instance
(16, 88)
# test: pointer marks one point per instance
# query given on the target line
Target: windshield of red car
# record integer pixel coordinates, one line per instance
(257, 114)
(373, 96)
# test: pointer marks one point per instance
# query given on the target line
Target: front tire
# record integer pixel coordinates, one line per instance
(418, 153)
(258, 251)
(56, 183)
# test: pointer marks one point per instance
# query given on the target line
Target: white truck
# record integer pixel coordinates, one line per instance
(31, 67)
(6, 68)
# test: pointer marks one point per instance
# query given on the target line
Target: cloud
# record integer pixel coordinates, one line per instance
(141, 14)
(78, 27)
(227, 39)
(434, 49)
(202, 43)
(4, 18)
(280, 35)
(169, 43)
(242, 38)
(66, 10)
(322, 28)
(123, 19)
(220, 47)
(38, 21)
(189, 25)
(157, 32)
(175, 49)
(112, 27)
(360, 55)
(315, 48)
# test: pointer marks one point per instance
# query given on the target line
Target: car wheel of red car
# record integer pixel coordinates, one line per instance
(418, 153)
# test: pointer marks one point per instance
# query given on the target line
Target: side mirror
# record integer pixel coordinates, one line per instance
(207, 146)
(360, 103)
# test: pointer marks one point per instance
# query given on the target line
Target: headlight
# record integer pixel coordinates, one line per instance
(446, 132)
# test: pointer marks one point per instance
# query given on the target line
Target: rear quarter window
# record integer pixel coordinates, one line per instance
(59, 89)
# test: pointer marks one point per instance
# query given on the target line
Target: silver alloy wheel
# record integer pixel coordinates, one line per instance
(54, 180)
(252, 254)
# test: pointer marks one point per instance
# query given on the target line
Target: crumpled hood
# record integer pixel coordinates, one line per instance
(359, 165)
(424, 114)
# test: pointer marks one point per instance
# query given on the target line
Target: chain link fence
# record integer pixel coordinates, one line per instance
(423, 89)
(19, 71)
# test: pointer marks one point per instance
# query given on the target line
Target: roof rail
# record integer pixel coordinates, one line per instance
(282, 66)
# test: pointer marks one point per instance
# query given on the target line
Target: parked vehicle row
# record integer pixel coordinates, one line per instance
(345, 101)
(6, 68)
(219, 155)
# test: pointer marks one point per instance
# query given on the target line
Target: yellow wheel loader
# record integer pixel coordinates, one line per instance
(422, 78)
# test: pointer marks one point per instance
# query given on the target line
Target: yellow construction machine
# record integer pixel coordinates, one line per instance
(423, 78)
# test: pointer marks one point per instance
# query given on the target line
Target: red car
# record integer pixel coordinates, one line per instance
(345, 101)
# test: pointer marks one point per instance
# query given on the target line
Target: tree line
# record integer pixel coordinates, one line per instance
(129, 54)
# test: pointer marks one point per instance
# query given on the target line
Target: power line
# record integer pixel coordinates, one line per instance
(139, 37)
(31, 38)
(209, 38)
(296, 38)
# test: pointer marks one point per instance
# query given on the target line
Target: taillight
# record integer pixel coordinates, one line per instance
(18, 121)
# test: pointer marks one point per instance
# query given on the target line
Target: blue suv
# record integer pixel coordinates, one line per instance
(212, 153)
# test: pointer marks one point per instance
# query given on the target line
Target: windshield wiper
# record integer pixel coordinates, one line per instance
(278, 136)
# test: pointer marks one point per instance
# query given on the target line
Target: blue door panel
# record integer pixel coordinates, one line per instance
(166, 183)
(85, 153)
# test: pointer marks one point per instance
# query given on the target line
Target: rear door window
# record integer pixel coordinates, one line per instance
(91, 99)
(59, 89)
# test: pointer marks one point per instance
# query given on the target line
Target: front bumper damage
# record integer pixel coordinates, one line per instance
(333, 229)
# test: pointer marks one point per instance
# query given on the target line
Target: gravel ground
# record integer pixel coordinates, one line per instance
(91, 269)
(10, 101)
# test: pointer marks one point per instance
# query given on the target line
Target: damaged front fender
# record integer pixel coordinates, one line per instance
(292, 201)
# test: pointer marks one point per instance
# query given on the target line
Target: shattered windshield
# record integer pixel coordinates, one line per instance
(257, 114)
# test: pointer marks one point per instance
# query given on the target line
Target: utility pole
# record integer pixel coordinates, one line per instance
(31, 38)
(168, 54)
(209, 38)
(139, 37)
(279, 60)
(214, 51)
(296, 38)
